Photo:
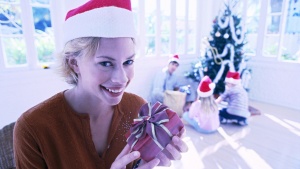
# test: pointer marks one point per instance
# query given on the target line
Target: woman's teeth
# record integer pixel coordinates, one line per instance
(114, 91)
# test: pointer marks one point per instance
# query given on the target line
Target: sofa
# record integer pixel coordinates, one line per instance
(6, 147)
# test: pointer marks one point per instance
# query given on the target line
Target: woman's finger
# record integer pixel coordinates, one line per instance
(124, 158)
(164, 159)
(150, 164)
(179, 144)
(125, 150)
(174, 152)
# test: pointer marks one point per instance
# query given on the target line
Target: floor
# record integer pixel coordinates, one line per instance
(271, 140)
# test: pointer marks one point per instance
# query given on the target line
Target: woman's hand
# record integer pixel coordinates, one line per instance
(126, 157)
(173, 150)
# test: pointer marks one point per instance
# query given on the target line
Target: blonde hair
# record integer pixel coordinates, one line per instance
(79, 47)
(208, 104)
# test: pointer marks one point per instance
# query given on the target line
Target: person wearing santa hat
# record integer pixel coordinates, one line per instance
(165, 80)
(203, 114)
(84, 127)
(237, 98)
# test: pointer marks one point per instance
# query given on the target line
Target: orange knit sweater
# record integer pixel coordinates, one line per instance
(51, 135)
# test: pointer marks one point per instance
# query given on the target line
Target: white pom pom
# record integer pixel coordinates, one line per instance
(212, 85)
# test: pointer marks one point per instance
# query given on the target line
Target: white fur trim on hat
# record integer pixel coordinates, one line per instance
(209, 93)
(205, 94)
(107, 22)
(232, 80)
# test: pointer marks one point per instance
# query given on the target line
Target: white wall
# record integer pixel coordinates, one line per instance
(275, 82)
(23, 89)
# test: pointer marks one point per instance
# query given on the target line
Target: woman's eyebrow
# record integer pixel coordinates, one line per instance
(106, 57)
(132, 56)
(110, 58)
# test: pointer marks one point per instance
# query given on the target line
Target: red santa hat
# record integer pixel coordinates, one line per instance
(174, 58)
(233, 78)
(100, 18)
(206, 87)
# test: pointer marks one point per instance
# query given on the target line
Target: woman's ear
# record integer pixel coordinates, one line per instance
(72, 62)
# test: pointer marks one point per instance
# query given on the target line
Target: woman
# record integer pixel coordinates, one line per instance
(84, 127)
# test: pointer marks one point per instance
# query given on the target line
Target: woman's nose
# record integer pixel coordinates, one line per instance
(119, 75)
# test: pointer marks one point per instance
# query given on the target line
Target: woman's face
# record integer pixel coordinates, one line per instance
(109, 71)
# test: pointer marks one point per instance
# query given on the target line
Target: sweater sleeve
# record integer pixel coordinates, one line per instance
(26, 149)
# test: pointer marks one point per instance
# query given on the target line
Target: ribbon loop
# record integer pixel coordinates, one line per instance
(151, 122)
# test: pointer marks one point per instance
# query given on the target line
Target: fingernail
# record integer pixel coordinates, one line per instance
(175, 139)
(136, 154)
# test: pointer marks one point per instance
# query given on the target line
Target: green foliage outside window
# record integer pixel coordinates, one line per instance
(15, 51)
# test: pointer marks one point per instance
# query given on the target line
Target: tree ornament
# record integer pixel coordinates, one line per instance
(218, 34)
(226, 36)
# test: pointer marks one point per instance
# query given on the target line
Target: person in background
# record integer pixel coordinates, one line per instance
(165, 80)
(203, 114)
(85, 126)
(237, 98)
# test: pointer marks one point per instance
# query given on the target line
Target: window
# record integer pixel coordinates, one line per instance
(192, 22)
(165, 29)
(150, 23)
(25, 43)
(281, 33)
(251, 26)
(281, 38)
(169, 26)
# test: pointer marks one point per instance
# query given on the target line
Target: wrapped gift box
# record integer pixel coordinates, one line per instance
(153, 130)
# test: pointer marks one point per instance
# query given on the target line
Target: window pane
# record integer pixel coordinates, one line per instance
(252, 21)
(150, 18)
(165, 16)
(45, 48)
(10, 19)
(15, 51)
(44, 41)
(250, 46)
(192, 26)
(293, 17)
(165, 44)
(253, 14)
(165, 7)
(150, 48)
(290, 49)
(42, 19)
(273, 23)
(40, 1)
(271, 46)
(276, 6)
(134, 6)
(180, 26)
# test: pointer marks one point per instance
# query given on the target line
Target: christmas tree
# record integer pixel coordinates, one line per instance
(223, 51)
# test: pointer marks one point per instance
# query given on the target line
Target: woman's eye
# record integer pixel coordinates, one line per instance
(128, 62)
(106, 64)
